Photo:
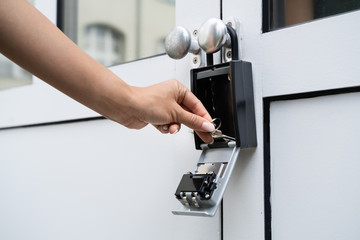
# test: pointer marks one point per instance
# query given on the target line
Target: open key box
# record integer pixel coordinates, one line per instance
(226, 90)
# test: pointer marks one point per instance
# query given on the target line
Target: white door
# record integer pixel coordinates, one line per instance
(302, 181)
(70, 174)
(67, 173)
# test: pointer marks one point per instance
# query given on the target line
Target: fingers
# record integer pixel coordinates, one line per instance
(206, 137)
(194, 121)
(168, 128)
(194, 115)
(194, 105)
(187, 110)
(174, 128)
(162, 128)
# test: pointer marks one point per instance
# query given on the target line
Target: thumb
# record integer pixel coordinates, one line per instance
(194, 121)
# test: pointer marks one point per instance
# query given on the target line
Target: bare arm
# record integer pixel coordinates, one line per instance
(33, 42)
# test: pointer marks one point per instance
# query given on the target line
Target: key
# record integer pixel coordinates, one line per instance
(218, 134)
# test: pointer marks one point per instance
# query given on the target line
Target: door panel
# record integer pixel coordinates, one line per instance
(312, 56)
(95, 180)
(314, 146)
(317, 55)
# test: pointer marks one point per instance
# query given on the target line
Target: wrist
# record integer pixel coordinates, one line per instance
(114, 99)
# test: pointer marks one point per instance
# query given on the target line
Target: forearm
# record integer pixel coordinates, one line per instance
(33, 42)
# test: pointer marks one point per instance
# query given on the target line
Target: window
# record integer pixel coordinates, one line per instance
(282, 13)
(114, 32)
(104, 43)
(11, 75)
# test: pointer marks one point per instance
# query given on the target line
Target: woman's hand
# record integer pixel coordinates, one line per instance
(166, 105)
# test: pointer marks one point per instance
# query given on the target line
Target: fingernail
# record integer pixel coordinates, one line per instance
(207, 127)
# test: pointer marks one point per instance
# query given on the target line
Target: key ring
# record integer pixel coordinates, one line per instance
(217, 134)
(217, 122)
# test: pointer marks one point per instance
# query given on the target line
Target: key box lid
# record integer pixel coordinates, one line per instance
(220, 162)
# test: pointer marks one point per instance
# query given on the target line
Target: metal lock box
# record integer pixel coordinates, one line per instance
(226, 91)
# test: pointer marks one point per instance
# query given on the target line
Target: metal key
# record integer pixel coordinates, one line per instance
(218, 134)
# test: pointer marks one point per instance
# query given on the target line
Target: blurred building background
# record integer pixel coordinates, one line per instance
(110, 31)
(11, 75)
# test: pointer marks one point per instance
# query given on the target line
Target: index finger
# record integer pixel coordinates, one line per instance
(194, 105)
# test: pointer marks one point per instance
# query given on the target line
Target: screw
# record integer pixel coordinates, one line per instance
(207, 196)
(195, 60)
(229, 54)
(195, 32)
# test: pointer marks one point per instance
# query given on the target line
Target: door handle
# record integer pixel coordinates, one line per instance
(213, 35)
(179, 42)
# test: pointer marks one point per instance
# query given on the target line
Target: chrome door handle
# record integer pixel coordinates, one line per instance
(179, 42)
